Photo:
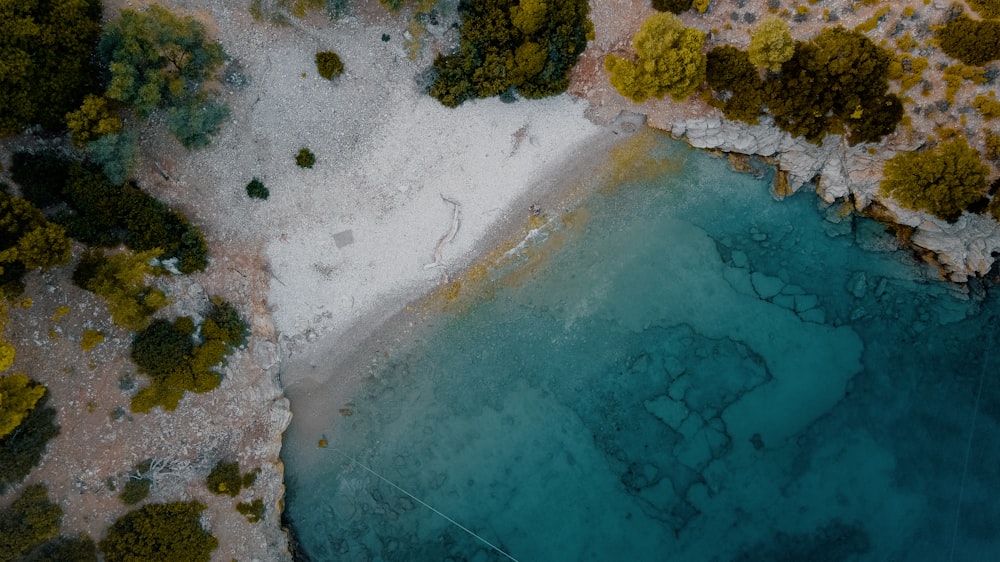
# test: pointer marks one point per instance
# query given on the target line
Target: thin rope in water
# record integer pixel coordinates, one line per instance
(423, 503)
(968, 453)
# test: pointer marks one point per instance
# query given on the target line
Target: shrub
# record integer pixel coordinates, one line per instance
(771, 44)
(305, 158)
(527, 46)
(136, 490)
(970, 41)
(943, 181)
(160, 347)
(159, 532)
(668, 61)
(738, 88)
(257, 190)
(225, 479)
(253, 511)
(102, 213)
(166, 353)
(329, 65)
(29, 241)
(18, 397)
(30, 521)
(65, 549)
(121, 280)
(22, 450)
(95, 118)
(195, 119)
(672, 6)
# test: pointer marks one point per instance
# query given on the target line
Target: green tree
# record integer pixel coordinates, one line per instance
(46, 54)
(94, 119)
(18, 396)
(121, 279)
(771, 44)
(22, 450)
(835, 82)
(507, 46)
(165, 532)
(159, 60)
(30, 521)
(943, 181)
(668, 61)
(986, 8)
(27, 239)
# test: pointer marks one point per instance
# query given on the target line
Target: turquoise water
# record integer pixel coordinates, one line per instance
(699, 373)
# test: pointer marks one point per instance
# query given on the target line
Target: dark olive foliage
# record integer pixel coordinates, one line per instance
(225, 479)
(836, 81)
(253, 510)
(225, 323)
(65, 549)
(329, 65)
(22, 449)
(257, 190)
(30, 521)
(527, 47)
(47, 62)
(101, 213)
(166, 353)
(737, 86)
(971, 41)
(159, 533)
(304, 158)
(161, 347)
(673, 6)
(136, 490)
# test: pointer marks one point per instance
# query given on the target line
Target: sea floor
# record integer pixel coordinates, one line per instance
(698, 372)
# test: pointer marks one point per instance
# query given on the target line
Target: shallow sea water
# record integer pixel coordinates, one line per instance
(698, 373)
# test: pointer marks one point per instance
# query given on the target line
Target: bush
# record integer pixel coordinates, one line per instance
(970, 41)
(528, 46)
(225, 479)
(30, 521)
(65, 549)
(672, 6)
(161, 347)
(136, 490)
(253, 511)
(18, 397)
(121, 280)
(165, 352)
(305, 158)
(329, 65)
(22, 449)
(101, 213)
(257, 190)
(159, 532)
(943, 181)
(737, 86)
(195, 119)
(28, 240)
(771, 44)
(668, 61)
